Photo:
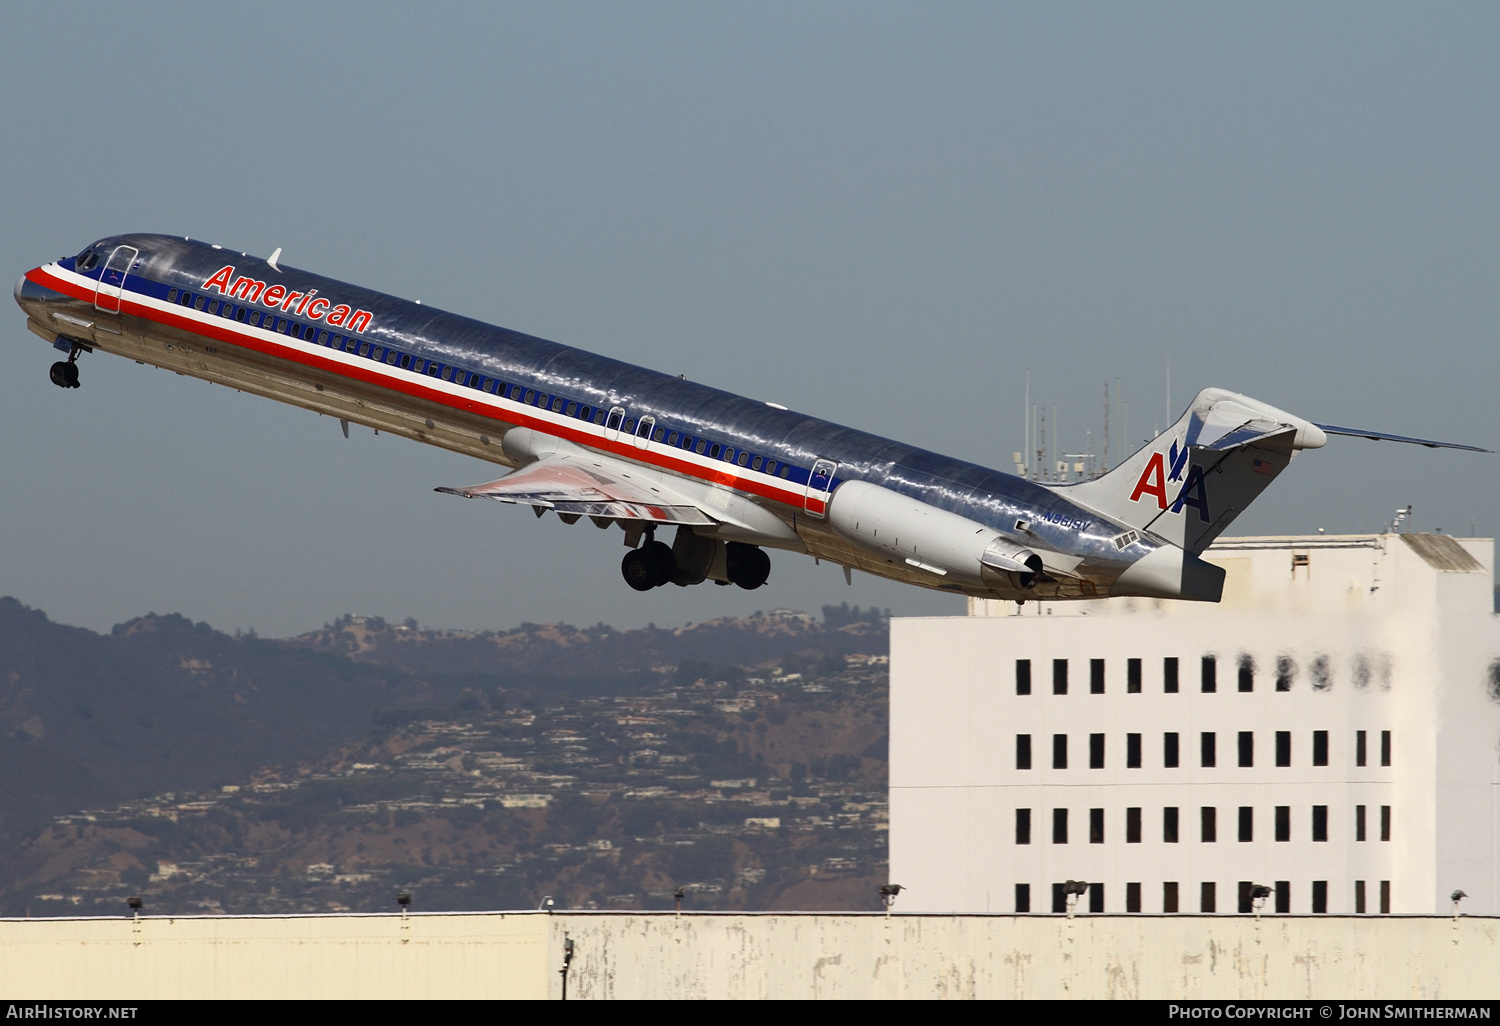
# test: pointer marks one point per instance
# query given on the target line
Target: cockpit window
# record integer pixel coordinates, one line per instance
(87, 260)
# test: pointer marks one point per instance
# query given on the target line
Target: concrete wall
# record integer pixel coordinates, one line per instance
(659, 955)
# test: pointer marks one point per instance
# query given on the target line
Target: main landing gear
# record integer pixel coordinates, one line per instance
(693, 560)
(64, 373)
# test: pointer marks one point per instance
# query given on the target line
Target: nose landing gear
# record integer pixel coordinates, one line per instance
(64, 373)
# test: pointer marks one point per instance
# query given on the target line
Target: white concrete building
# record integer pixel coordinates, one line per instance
(1331, 730)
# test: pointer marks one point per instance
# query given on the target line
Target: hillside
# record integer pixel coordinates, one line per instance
(743, 758)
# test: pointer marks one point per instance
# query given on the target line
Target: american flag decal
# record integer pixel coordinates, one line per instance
(1262, 467)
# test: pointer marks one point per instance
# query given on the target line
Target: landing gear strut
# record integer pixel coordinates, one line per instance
(64, 373)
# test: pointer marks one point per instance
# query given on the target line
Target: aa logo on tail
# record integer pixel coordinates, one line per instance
(1155, 478)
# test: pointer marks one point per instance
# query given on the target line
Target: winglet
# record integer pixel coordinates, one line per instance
(1381, 435)
(273, 258)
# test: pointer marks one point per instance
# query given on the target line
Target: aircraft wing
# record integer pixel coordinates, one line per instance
(591, 486)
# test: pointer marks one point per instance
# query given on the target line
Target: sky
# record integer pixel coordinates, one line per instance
(892, 216)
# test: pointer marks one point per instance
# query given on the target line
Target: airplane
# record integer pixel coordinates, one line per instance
(587, 436)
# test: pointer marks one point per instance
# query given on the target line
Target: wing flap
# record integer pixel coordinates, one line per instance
(587, 486)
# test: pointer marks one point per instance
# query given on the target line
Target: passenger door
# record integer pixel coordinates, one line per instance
(819, 488)
(112, 281)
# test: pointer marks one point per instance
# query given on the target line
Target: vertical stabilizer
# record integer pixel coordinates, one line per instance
(1187, 484)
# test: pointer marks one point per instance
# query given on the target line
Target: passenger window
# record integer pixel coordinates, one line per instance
(530, 397)
(541, 400)
(458, 376)
(254, 318)
(557, 405)
(417, 365)
(728, 454)
(785, 470)
(240, 314)
(489, 384)
(687, 442)
(432, 370)
(227, 310)
(713, 453)
(756, 463)
(405, 362)
(744, 458)
(447, 373)
(171, 293)
(391, 356)
(660, 435)
(701, 447)
(598, 416)
(364, 349)
(572, 410)
(629, 426)
(672, 439)
(310, 333)
(770, 466)
(187, 299)
(199, 303)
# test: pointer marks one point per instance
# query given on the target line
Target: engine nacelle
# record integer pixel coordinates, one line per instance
(900, 528)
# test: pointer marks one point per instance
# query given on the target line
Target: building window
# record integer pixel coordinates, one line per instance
(1096, 897)
(1023, 826)
(1246, 902)
(1169, 896)
(1059, 898)
(1247, 823)
(1385, 748)
(1359, 822)
(1210, 674)
(1320, 822)
(1132, 897)
(1169, 675)
(1096, 751)
(1320, 748)
(1283, 896)
(1059, 751)
(1283, 822)
(1359, 748)
(1133, 825)
(1059, 826)
(1385, 822)
(1320, 896)
(1359, 897)
(1207, 900)
(1096, 826)
(1169, 825)
(1023, 751)
(1247, 748)
(1132, 751)
(1023, 898)
(1246, 672)
(1132, 676)
(1208, 749)
(1286, 672)
(1209, 817)
(1283, 748)
(1169, 755)
(1023, 676)
(1059, 676)
(1096, 676)
(1385, 897)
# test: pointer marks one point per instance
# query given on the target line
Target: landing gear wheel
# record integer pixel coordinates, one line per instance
(663, 563)
(746, 565)
(64, 374)
(637, 570)
(649, 566)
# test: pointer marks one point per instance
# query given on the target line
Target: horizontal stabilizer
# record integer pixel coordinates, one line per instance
(1383, 436)
(583, 486)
